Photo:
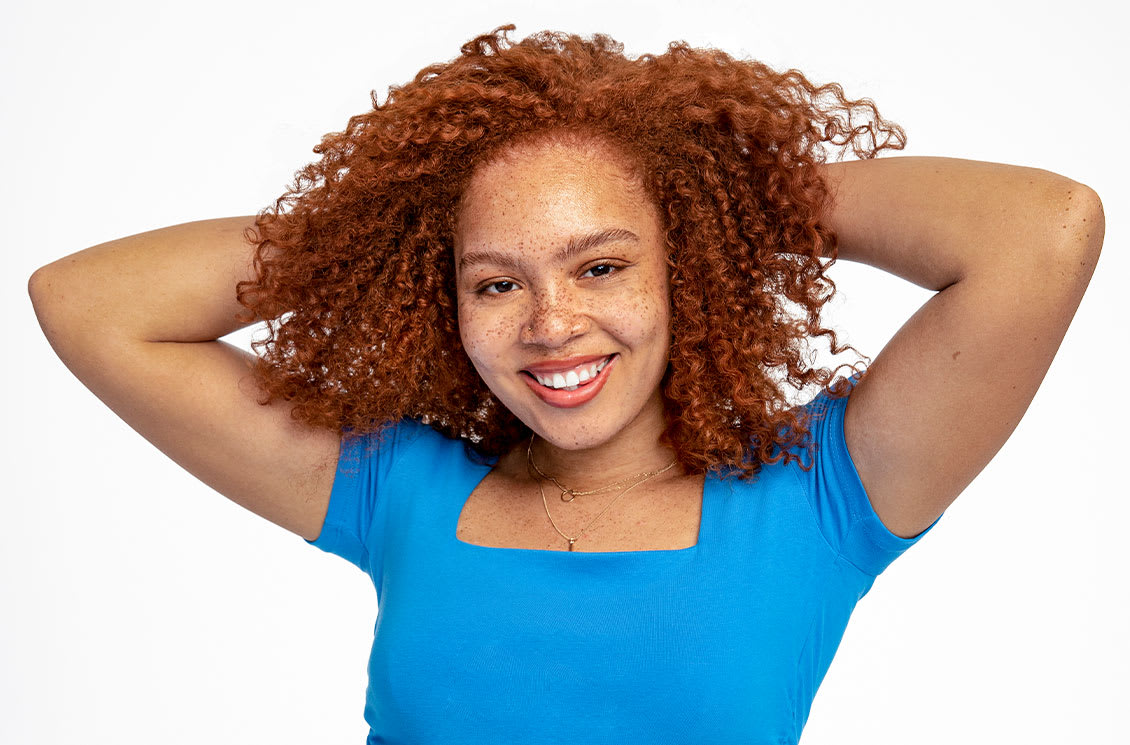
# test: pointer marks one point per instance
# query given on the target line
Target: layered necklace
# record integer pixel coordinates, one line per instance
(632, 482)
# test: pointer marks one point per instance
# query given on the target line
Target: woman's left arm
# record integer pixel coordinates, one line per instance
(1009, 252)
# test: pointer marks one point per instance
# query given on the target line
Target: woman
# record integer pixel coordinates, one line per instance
(531, 321)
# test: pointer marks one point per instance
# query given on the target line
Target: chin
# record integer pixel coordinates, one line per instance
(570, 439)
(576, 432)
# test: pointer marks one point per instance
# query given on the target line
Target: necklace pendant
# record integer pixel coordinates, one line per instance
(572, 496)
(571, 542)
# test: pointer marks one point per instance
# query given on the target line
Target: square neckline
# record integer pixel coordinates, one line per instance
(463, 495)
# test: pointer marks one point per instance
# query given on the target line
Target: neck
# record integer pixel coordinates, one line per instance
(636, 449)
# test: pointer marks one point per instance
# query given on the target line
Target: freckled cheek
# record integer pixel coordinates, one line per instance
(644, 316)
(486, 337)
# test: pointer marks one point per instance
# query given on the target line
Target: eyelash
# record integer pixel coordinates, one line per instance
(614, 267)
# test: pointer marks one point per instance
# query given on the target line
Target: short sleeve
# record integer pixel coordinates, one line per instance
(364, 462)
(841, 505)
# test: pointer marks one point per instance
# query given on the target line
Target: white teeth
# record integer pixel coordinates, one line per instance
(571, 380)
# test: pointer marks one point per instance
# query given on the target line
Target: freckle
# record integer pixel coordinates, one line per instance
(955, 354)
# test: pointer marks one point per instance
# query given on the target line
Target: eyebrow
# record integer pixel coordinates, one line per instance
(574, 246)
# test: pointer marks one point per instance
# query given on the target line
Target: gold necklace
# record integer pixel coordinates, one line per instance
(573, 493)
(572, 540)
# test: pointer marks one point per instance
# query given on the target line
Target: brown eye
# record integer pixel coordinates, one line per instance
(486, 289)
(602, 270)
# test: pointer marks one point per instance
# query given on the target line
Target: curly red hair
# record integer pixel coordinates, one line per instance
(355, 266)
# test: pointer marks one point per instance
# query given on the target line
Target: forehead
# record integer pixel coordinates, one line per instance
(539, 196)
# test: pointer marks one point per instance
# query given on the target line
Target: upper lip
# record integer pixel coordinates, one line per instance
(559, 366)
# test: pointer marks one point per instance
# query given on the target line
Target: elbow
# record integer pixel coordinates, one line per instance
(37, 287)
(1077, 233)
(1085, 224)
(1093, 219)
(42, 285)
(49, 299)
(39, 290)
(1078, 222)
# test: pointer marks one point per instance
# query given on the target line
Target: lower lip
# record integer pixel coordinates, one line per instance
(564, 399)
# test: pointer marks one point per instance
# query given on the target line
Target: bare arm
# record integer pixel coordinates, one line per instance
(138, 319)
(1010, 252)
(933, 221)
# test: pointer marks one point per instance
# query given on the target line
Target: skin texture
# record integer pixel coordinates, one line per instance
(610, 298)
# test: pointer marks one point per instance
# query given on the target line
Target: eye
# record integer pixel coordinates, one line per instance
(602, 270)
(503, 286)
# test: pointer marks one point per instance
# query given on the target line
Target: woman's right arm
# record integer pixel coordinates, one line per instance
(138, 320)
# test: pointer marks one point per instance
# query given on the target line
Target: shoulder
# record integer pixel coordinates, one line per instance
(399, 441)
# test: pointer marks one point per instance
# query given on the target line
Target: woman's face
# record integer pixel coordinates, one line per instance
(560, 272)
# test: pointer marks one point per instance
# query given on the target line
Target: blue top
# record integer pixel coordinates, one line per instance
(722, 642)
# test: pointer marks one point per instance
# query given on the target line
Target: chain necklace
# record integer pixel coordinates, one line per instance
(574, 493)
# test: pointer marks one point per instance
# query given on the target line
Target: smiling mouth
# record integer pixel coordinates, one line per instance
(570, 395)
(570, 380)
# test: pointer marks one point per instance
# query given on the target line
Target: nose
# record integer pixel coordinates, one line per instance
(553, 321)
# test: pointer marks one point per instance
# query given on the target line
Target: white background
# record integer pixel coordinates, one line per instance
(139, 606)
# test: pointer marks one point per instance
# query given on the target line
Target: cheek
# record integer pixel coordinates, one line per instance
(484, 334)
(644, 315)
